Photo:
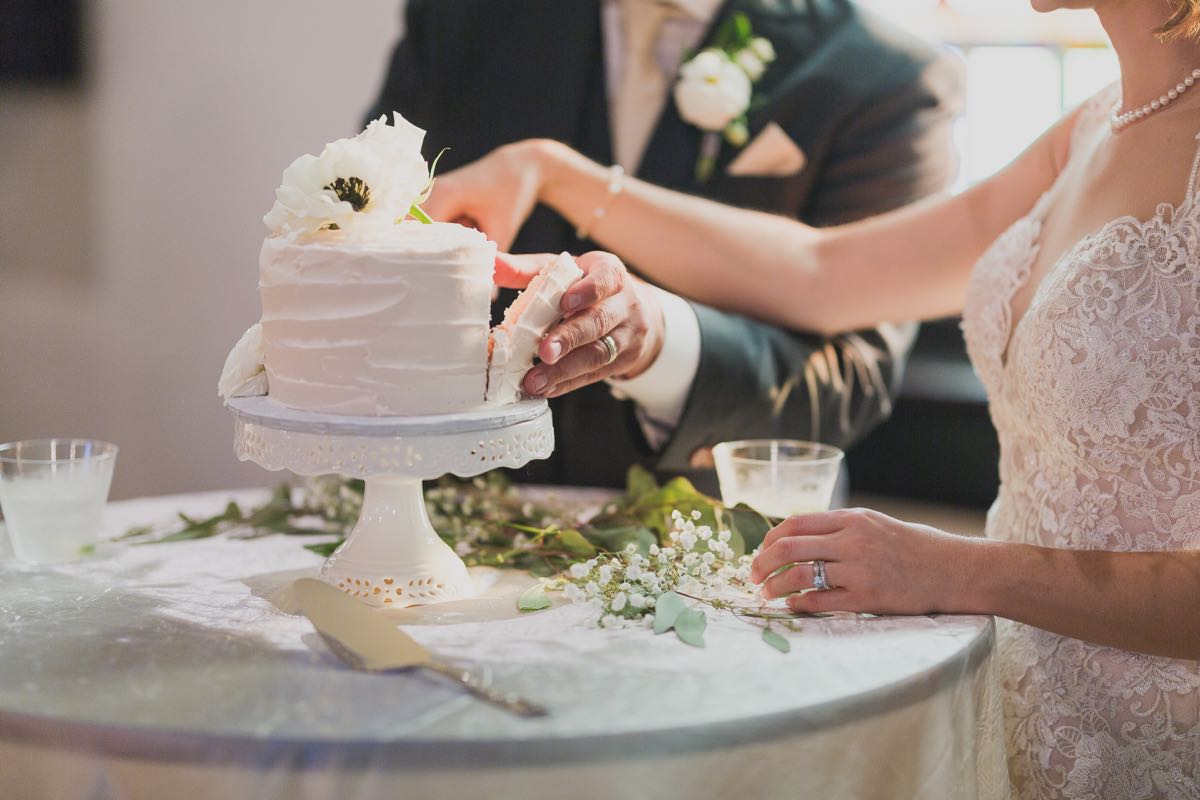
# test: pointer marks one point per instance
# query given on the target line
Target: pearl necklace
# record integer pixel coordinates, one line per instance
(1121, 121)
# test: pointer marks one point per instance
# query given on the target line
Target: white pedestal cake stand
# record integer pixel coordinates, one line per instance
(393, 557)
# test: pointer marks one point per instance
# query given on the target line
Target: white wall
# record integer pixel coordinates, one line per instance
(130, 216)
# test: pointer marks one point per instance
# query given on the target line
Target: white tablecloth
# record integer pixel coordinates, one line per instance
(168, 671)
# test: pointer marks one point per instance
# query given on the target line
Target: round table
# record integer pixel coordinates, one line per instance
(172, 670)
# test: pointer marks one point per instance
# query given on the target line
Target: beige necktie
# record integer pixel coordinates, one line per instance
(643, 85)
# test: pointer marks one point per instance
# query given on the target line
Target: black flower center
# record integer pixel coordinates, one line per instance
(352, 190)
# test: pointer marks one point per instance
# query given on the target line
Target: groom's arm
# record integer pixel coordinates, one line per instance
(756, 380)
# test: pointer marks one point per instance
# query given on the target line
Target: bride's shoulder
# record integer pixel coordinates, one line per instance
(1083, 120)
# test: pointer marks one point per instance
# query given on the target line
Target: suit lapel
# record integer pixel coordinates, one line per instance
(670, 156)
(674, 148)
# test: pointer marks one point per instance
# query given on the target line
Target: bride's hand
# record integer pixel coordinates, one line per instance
(495, 194)
(876, 564)
(607, 300)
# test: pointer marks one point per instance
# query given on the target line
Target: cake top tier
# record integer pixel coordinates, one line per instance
(360, 187)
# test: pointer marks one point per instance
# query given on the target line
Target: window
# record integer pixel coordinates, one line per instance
(1023, 69)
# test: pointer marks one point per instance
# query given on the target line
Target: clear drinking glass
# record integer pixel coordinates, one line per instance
(777, 477)
(52, 493)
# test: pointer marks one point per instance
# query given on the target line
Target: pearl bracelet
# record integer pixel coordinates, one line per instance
(616, 182)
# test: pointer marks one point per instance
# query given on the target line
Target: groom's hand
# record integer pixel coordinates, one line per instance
(606, 301)
(495, 194)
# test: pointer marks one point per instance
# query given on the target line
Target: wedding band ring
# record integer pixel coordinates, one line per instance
(610, 345)
(820, 582)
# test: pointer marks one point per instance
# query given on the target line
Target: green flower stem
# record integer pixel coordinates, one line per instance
(417, 213)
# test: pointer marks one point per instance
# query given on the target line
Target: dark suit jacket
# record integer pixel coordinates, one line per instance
(870, 107)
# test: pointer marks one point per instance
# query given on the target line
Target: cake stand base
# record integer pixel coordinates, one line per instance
(393, 557)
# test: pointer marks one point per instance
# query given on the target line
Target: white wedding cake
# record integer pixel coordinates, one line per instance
(367, 312)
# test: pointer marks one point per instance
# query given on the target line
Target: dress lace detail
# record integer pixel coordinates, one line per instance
(1095, 394)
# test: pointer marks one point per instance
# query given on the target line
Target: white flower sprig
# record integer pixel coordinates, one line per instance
(715, 88)
(631, 589)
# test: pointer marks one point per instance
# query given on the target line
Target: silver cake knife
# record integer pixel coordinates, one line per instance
(366, 640)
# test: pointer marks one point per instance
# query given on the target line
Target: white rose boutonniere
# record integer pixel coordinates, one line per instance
(375, 178)
(715, 88)
(712, 91)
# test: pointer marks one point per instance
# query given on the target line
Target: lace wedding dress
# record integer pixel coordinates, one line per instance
(1095, 394)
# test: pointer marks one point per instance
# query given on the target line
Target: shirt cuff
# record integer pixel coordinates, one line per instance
(662, 390)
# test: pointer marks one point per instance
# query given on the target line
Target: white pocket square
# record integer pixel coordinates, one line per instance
(771, 154)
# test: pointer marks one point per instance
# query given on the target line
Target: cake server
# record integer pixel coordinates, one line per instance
(366, 640)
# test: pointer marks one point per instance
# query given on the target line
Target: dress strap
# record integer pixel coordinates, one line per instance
(1094, 113)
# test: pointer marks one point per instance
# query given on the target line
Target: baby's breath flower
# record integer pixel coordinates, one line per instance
(579, 570)
(605, 573)
(618, 601)
(696, 514)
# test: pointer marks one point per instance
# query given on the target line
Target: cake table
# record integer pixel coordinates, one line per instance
(393, 557)
(166, 671)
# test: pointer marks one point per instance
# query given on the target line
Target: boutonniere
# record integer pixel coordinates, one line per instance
(716, 88)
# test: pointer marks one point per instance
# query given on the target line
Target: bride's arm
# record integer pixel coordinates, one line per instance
(1145, 602)
(909, 264)
(912, 263)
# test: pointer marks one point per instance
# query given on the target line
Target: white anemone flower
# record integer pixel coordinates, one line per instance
(355, 184)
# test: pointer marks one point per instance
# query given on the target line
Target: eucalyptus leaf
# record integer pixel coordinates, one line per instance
(689, 627)
(534, 598)
(667, 610)
(776, 640)
(639, 483)
(748, 526)
(616, 539)
(575, 543)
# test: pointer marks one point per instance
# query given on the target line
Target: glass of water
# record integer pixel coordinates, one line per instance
(52, 494)
(777, 477)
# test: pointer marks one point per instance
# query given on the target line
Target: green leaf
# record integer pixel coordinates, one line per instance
(325, 548)
(616, 539)
(136, 531)
(742, 29)
(776, 640)
(576, 543)
(667, 610)
(689, 627)
(639, 482)
(750, 525)
(534, 598)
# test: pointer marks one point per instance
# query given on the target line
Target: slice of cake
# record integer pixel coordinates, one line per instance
(367, 313)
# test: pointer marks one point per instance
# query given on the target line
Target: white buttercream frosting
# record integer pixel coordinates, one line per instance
(395, 325)
(515, 341)
(243, 375)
